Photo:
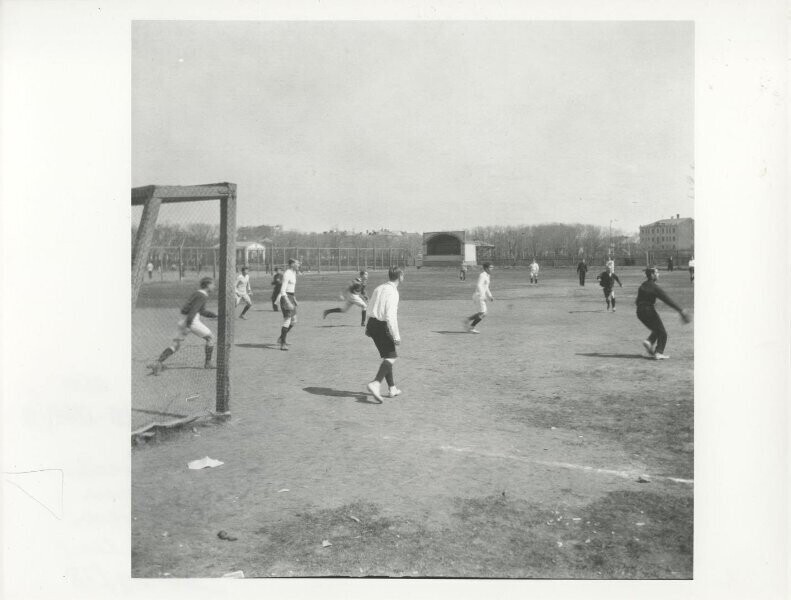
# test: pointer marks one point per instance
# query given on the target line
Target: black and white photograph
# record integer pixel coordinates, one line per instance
(414, 301)
(425, 181)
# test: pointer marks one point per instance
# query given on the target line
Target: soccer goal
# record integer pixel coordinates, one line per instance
(188, 385)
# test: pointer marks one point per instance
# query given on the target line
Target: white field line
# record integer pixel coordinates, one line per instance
(563, 465)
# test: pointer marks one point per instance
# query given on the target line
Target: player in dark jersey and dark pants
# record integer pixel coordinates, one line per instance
(647, 294)
(582, 268)
(193, 310)
(277, 281)
(607, 280)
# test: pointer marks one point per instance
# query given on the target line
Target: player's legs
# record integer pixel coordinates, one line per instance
(248, 303)
(649, 317)
(380, 334)
(607, 292)
(612, 299)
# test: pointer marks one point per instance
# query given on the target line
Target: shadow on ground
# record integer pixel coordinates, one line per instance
(611, 355)
(325, 391)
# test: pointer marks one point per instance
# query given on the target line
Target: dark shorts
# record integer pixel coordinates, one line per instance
(378, 331)
(607, 292)
(288, 312)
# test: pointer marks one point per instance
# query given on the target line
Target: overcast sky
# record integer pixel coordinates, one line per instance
(420, 126)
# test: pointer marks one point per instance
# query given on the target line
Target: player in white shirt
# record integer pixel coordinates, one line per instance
(244, 291)
(692, 269)
(480, 297)
(382, 327)
(534, 272)
(288, 301)
(610, 264)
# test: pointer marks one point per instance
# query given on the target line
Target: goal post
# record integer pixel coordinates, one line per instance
(151, 198)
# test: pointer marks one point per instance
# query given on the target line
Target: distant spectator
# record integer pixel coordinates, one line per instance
(692, 269)
(670, 264)
(150, 269)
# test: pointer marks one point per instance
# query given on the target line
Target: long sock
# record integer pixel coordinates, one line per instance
(333, 310)
(363, 320)
(246, 308)
(383, 371)
(165, 353)
(613, 302)
(389, 375)
(283, 333)
(475, 320)
(209, 350)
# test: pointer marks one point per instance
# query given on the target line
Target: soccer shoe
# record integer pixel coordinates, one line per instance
(613, 309)
(473, 330)
(649, 347)
(660, 356)
(242, 317)
(375, 388)
(156, 367)
(394, 391)
(283, 345)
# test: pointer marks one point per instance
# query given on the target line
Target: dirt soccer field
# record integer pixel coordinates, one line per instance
(548, 446)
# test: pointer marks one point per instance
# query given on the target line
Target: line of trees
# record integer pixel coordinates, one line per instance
(525, 242)
(511, 242)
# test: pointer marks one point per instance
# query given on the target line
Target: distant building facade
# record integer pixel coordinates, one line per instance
(669, 236)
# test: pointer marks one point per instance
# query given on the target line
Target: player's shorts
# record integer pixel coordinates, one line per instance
(243, 297)
(288, 312)
(355, 299)
(379, 332)
(480, 303)
(608, 292)
(196, 328)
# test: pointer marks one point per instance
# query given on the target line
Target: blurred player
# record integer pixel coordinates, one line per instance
(647, 294)
(534, 272)
(150, 269)
(607, 280)
(192, 311)
(288, 301)
(480, 297)
(382, 327)
(244, 291)
(692, 269)
(610, 264)
(277, 281)
(354, 295)
(463, 272)
(582, 269)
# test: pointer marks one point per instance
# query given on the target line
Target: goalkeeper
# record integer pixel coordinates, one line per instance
(647, 294)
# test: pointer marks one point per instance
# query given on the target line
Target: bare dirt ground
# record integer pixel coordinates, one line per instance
(548, 446)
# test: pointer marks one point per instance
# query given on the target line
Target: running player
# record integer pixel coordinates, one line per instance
(481, 295)
(382, 327)
(244, 291)
(354, 295)
(288, 301)
(190, 322)
(607, 280)
(647, 294)
(277, 282)
(534, 272)
(463, 272)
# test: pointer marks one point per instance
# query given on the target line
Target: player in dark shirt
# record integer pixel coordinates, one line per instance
(607, 279)
(190, 322)
(647, 295)
(277, 281)
(354, 295)
(582, 269)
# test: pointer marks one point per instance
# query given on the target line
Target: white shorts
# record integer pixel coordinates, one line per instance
(356, 300)
(480, 303)
(197, 328)
(243, 296)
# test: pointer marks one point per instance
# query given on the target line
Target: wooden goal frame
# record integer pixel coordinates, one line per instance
(151, 197)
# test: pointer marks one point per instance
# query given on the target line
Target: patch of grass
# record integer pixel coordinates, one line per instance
(624, 535)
